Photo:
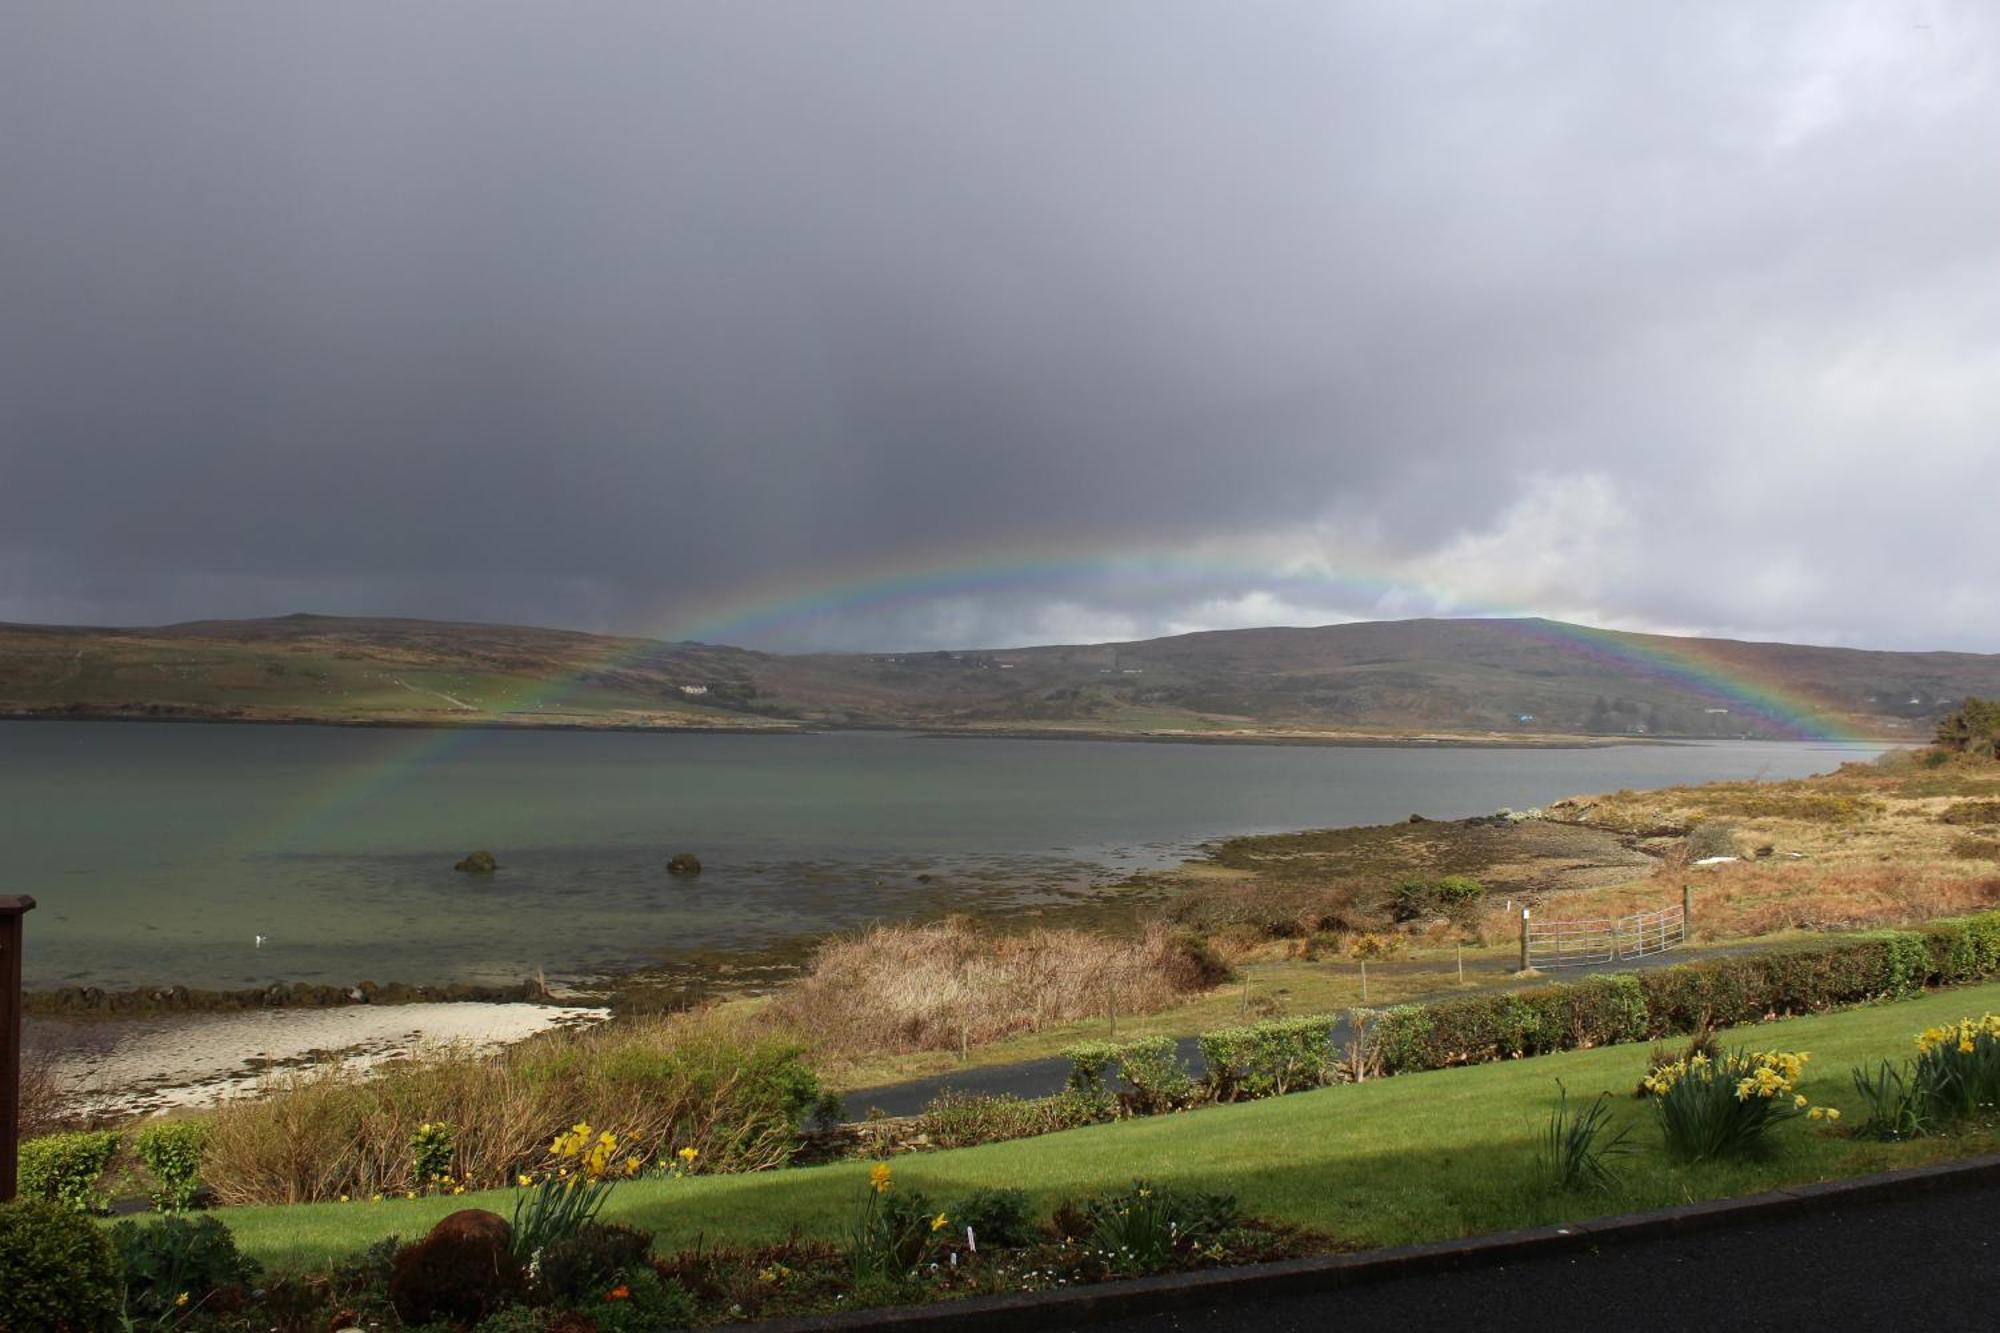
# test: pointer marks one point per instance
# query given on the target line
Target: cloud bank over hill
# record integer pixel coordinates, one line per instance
(904, 325)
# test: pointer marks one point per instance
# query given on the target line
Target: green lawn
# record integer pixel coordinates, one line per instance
(1419, 1157)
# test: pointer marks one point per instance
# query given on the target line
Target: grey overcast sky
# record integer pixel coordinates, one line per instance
(1003, 322)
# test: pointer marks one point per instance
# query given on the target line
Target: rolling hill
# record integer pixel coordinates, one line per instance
(1373, 679)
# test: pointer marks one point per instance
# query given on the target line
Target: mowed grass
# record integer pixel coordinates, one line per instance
(1419, 1157)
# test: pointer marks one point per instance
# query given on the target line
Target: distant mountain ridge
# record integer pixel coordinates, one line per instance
(1468, 677)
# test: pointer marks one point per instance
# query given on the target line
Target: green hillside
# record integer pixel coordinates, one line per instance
(1447, 677)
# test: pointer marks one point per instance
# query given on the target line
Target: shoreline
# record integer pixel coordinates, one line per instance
(152, 1064)
(1503, 740)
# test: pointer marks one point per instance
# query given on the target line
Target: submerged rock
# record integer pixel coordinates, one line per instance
(478, 863)
(684, 863)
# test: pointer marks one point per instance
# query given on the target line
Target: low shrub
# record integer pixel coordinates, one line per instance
(65, 1168)
(172, 1151)
(1265, 1059)
(1150, 1068)
(1452, 895)
(1154, 1076)
(595, 1259)
(431, 1153)
(996, 1217)
(461, 1272)
(1711, 837)
(1710, 1109)
(643, 1303)
(964, 1120)
(179, 1263)
(57, 1269)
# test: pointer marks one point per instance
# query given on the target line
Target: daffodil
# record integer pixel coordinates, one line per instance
(878, 1177)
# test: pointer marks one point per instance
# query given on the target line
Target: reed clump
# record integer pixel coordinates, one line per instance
(662, 1084)
(937, 986)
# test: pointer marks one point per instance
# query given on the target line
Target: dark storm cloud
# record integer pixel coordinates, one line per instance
(593, 314)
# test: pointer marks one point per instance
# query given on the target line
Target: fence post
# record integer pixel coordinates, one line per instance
(1524, 939)
(11, 1004)
(1687, 912)
(1364, 981)
(1461, 964)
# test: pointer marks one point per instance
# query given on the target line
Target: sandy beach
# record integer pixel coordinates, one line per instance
(148, 1065)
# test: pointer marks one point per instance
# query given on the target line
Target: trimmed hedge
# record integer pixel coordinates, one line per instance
(1723, 992)
(1267, 1059)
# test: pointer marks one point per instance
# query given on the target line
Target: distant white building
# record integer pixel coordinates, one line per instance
(694, 689)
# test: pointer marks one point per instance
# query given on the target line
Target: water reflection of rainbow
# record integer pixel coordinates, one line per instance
(1727, 679)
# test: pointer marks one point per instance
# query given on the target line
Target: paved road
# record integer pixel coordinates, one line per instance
(1040, 1078)
(1930, 1263)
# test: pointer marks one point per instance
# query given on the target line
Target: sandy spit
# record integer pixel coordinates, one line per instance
(149, 1065)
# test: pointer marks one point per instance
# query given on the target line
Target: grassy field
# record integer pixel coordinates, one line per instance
(1423, 1156)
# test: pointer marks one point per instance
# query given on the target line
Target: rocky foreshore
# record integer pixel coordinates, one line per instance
(87, 1001)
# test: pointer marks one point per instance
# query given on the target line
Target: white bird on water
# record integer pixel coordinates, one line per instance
(260, 941)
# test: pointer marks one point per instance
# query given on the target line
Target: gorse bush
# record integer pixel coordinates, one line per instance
(173, 1153)
(1452, 895)
(658, 1083)
(1724, 1108)
(177, 1264)
(57, 1270)
(65, 1168)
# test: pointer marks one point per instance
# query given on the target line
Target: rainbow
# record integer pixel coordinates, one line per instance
(789, 603)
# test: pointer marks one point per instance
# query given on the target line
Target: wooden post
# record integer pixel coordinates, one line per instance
(1461, 964)
(1687, 912)
(1364, 981)
(11, 912)
(1112, 1004)
(1246, 995)
(1524, 939)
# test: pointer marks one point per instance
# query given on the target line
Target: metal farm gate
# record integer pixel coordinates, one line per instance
(1547, 944)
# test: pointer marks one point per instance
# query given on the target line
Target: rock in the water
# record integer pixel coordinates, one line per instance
(684, 863)
(478, 863)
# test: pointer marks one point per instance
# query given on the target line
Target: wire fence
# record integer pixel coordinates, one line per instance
(1608, 940)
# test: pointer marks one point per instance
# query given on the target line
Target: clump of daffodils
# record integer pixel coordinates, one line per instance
(1962, 1036)
(1712, 1107)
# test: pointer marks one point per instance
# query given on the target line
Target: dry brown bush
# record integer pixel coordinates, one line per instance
(660, 1084)
(931, 987)
(45, 1108)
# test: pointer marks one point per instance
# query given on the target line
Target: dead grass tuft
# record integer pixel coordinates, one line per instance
(932, 987)
(659, 1083)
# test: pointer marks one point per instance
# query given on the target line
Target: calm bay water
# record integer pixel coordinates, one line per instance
(160, 851)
